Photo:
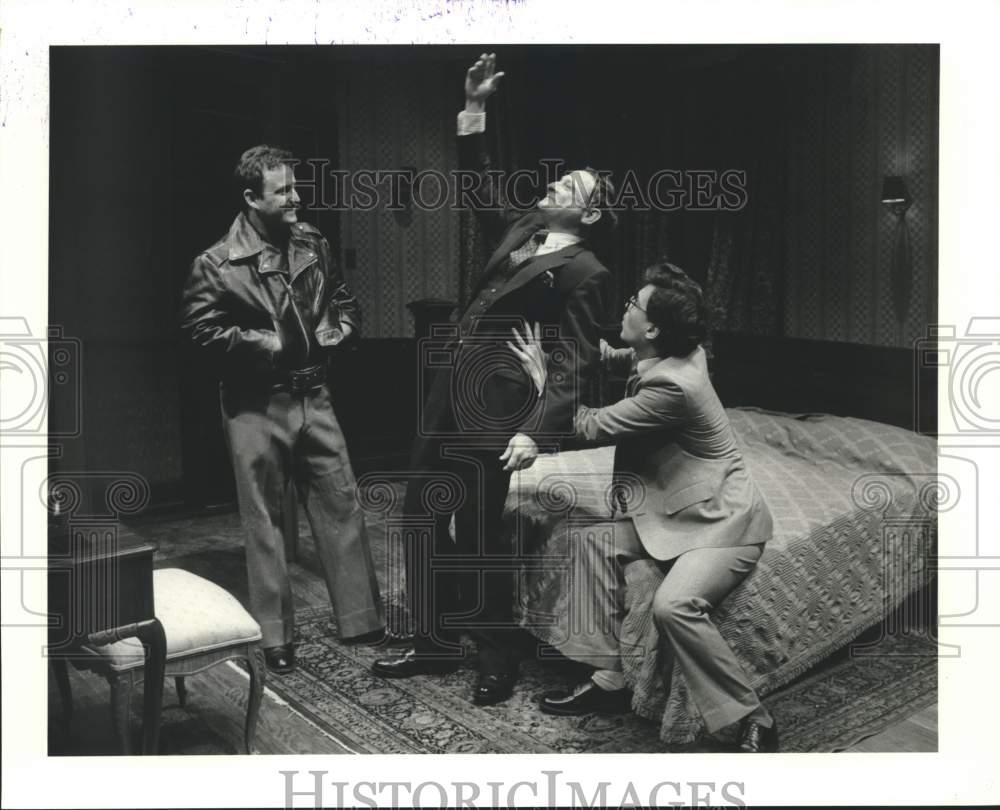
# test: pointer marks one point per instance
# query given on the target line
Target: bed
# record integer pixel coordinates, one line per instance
(853, 502)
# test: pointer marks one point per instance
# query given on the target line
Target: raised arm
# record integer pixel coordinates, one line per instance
(484, 194)
(481, 82)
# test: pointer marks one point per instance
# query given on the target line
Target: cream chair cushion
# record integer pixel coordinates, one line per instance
(197, 617)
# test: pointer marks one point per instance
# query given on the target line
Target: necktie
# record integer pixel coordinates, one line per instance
(520, 255)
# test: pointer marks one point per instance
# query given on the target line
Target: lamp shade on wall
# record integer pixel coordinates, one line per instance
(894, 190)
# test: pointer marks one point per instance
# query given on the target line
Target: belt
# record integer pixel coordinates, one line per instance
(299, 381)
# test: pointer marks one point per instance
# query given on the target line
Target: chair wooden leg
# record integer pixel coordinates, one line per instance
(155, 644)
(257, 669)
(61, 673)
(182, 692)
(121, 709)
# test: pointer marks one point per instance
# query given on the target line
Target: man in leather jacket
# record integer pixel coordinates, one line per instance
(266, 303)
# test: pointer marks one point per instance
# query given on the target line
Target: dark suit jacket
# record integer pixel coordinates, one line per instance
(487, 397)
(690, 487)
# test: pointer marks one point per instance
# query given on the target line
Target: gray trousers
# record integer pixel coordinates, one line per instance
(695, 583)
(276, 440)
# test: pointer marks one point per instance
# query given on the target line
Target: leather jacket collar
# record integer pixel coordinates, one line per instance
(244, 241)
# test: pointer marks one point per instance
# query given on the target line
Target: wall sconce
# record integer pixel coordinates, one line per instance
(896, 198)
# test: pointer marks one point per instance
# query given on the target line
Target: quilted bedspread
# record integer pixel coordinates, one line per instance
(854, 516)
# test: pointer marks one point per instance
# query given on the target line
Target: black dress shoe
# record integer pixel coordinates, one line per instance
(280, 660)
(587, 698)
(758, 739)
(412, 662)
(493, 688)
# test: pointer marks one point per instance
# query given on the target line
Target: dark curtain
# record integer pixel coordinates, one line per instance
(745, 270)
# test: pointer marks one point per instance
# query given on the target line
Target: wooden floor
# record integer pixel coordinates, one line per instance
(212, 721)
(919, 732)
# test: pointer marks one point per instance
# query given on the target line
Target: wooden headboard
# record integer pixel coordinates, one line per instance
(816, 376)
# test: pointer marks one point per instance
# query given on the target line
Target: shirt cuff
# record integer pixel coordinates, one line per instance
(471, 123)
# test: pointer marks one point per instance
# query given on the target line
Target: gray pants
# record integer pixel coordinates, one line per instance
(276, 439)
(695, 583)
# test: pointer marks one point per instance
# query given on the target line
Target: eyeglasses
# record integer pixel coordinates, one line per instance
(633, 301)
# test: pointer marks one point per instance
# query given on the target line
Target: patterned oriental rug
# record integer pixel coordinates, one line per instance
(849, 698)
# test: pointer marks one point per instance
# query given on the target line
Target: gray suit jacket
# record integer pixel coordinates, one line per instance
(677, 458)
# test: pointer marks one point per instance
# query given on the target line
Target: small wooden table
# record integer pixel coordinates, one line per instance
(101, 591)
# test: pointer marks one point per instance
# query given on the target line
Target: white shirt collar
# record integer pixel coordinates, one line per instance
(557, 241)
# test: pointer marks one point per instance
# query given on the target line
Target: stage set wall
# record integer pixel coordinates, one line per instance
(143, 142)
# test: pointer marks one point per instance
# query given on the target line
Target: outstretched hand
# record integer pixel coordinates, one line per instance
(482, 79)
(529, 351)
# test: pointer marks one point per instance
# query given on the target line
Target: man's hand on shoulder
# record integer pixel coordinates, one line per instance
(481, 81)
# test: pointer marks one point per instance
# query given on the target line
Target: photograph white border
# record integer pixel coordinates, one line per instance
(969, 178)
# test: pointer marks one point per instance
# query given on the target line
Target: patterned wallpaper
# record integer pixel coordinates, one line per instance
(860, 113)
(396, 113)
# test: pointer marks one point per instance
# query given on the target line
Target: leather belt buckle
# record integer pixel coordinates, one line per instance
(304, 380)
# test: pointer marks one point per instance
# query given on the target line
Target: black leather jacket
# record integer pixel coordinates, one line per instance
(255, 320)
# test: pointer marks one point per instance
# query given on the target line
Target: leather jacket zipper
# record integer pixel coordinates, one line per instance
(295, 310)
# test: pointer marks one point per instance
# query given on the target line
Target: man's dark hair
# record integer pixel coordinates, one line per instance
(677, 307)
(254, 162)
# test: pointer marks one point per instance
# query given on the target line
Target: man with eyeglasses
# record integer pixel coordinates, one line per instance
(482, 419)
(683, 499)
